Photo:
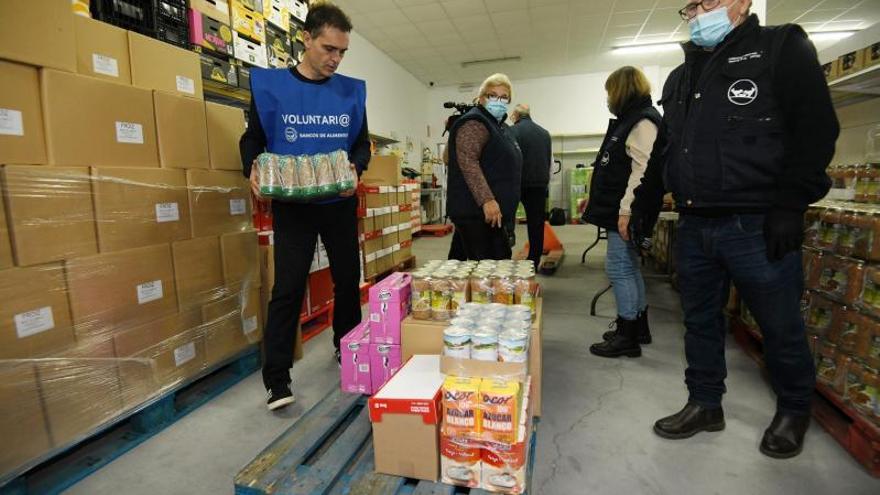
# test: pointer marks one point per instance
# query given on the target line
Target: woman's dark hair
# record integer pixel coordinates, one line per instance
(323, 15)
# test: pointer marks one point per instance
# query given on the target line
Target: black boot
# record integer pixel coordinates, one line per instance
(690, 421)
(624, 343)
(785, 436)
(644, 330)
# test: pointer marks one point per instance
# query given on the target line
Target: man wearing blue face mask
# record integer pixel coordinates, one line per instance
(747, 133)
(485, 164)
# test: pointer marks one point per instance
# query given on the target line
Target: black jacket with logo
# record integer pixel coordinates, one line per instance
(747, 127)
(500, 162)
(537, 150)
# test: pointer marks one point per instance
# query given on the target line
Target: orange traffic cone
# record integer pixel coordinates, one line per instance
(551, 242)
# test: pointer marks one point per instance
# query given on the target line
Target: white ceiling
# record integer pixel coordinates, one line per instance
(431, 38)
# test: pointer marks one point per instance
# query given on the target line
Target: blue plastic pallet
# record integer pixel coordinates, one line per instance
(62, 468)
(329, 451)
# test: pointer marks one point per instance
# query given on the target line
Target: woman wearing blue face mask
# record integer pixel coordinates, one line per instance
(484, 173)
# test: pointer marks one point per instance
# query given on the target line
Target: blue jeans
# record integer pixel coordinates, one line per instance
(622, 268)
(711, 253)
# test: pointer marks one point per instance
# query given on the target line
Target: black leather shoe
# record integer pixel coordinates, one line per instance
(624, 342)
(784, 438)
(690, 421)
(644, 330)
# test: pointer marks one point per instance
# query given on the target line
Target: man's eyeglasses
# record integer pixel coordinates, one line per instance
(502, 99)
(690, 10)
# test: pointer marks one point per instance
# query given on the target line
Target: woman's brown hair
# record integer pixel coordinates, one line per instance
(623, 86)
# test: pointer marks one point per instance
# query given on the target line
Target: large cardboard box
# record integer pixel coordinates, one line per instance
(158, 65)
(220, 202)
(267, 254)
(24, 424)
(426, 337)
(198, 271)
(5, 243)
(215, 9)
(241, 259)
(35, 314)
(224, 333)
(79, 395)
(252, 317)
(383, 170)
(102, 50)
(177, 358)
(90, 122)
(38, 32)
(140, 207)
(21, 115)
(122, 289)
(408, 406)
(225, 127)
(50, 211)
(182, 130)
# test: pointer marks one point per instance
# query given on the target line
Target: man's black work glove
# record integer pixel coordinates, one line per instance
(783, 232)
(641, 230)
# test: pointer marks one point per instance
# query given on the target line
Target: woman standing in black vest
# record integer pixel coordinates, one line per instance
(618, 169)
(484, 173)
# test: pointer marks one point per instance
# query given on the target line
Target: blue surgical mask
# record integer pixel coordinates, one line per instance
(498, 109)
(709, 29)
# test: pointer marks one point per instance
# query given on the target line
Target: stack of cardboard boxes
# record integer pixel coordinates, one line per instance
(386, 226)
(127, 258)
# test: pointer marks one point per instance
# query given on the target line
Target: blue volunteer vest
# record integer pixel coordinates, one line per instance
(299, 118)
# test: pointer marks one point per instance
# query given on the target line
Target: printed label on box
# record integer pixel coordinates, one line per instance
(186, 85)
(249, 325)
(129, 132)
(102, 64)
(149, 292)
(33, 322)
(375, 317)
(11, 123)
(184, 354)
(237, 207)
(167, 212)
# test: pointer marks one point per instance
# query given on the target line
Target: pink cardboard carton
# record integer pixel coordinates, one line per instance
(389, 305)
(384, 363)
(355, 349)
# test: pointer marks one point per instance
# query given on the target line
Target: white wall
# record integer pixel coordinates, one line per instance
(395, 98)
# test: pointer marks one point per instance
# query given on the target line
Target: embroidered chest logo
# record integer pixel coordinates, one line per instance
(742, 92)
(290, 134)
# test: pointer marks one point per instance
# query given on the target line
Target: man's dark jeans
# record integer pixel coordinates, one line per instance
(712, 253)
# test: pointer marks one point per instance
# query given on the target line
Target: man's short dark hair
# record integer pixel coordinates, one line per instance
(323, 15)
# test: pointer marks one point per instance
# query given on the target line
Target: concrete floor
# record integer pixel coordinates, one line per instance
(595, 436)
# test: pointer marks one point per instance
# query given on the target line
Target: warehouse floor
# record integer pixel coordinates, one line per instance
(595, 436)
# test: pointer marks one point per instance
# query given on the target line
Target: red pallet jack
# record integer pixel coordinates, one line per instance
(552, 254)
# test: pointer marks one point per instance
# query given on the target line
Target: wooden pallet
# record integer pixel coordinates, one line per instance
(855, 433)
(435, 230)
(64, 467)
(329, 450)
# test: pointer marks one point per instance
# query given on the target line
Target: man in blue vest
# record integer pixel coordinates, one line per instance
(309, 109)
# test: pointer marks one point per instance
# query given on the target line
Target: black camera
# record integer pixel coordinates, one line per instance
(460, 108)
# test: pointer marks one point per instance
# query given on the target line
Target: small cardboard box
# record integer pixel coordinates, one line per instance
(25, 423)
(210, 34)
(408, 406)
(249, 23)
(244, 74)
(383, 170)
(215, 9)
(102, 50)
(299, 9)
(22, 139)
(220, 202)
(389, 239)
(35, 314)
(38, 32)
(278, 48)
(355, 348)
(50, 212)
(384, 363)
(92, 122)
(198, 271)
(218, 69)
(389, 305)
(401, 255)
(251, 52)
(225, 127)
(241, 259)
(162, 66)
(124, 288)
(182, 129)
(137, 207)
(852, 62)
(373, 245)
(5, 243)
(277, 13)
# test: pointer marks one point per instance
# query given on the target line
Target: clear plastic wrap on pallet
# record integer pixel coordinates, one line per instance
(305, 178)
(119, 284)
